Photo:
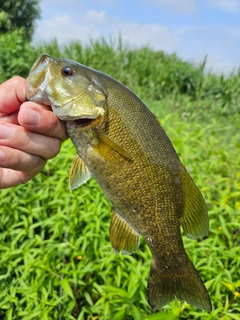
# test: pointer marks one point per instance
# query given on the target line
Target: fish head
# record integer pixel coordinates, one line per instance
(66, 86)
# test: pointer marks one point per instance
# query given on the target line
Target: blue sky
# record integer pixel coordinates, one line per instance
(191, 28)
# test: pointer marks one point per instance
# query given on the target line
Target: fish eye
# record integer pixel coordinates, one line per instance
(67, 71)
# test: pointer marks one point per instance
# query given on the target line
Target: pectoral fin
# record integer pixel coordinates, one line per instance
(110, 150)
(79, 173)
(195, 220)
(122, 236)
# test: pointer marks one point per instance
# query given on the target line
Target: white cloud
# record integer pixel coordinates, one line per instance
(185, 6)
(191, 42)
(97, 17)
(60, 7)
(96, 24)
(156, 36)
(226, 5)
(219, 43)
(60, 27)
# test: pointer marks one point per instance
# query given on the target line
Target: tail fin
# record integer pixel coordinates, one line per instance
(164, 285)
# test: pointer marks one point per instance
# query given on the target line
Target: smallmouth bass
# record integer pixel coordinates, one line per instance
(121, 144)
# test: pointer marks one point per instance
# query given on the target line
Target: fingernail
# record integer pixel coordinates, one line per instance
(5, 132)
(32, 117)
(2, 155)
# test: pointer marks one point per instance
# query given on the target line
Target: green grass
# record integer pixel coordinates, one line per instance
(53, 240)
(152, 74)
(56, 261)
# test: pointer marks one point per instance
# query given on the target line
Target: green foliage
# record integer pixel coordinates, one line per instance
(19, 14)
(14, 55)
(152, 75)
(155, 75)
(231, 94)
(56, 261)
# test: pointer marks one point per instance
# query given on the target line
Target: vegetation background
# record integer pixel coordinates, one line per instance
(56, 261)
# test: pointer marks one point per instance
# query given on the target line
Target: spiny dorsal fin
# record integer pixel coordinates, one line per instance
(122, 236)
(195, 220)
(79, 173)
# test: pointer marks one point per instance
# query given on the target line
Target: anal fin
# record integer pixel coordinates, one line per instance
(122, 236)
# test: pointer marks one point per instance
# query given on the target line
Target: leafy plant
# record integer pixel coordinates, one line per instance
(56, 261)
(20, 14)
(16, 55)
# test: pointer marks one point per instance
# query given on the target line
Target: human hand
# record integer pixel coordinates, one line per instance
(30, 134)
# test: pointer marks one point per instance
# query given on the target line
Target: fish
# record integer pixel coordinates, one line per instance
(121, 143)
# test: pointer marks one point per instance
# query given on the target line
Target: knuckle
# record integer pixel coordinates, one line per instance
(55, 148)
(54, 124)
(57, 128)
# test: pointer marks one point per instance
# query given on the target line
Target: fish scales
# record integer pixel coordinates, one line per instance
(122, 145)
(130, 179)
(133, 179)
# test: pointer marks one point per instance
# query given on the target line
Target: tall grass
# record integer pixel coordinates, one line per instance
(56, 261)
(151, 74)
(154, 75)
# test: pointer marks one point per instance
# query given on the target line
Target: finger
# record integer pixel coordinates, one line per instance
(19, 160)
(41, 119)
(16, 137)
(12, 118)
(18, 167)
(12, 95)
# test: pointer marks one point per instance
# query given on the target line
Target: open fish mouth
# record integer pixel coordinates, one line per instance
(87, 122)
(83, 122)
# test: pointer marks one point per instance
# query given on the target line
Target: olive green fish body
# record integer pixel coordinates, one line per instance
(121, 143)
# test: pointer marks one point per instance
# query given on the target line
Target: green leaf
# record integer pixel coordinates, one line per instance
(120, 315)
(67, 288)
(137, 315)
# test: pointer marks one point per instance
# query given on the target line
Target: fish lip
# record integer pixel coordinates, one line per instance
(37, 80)
(36, 95)
(76, 116)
